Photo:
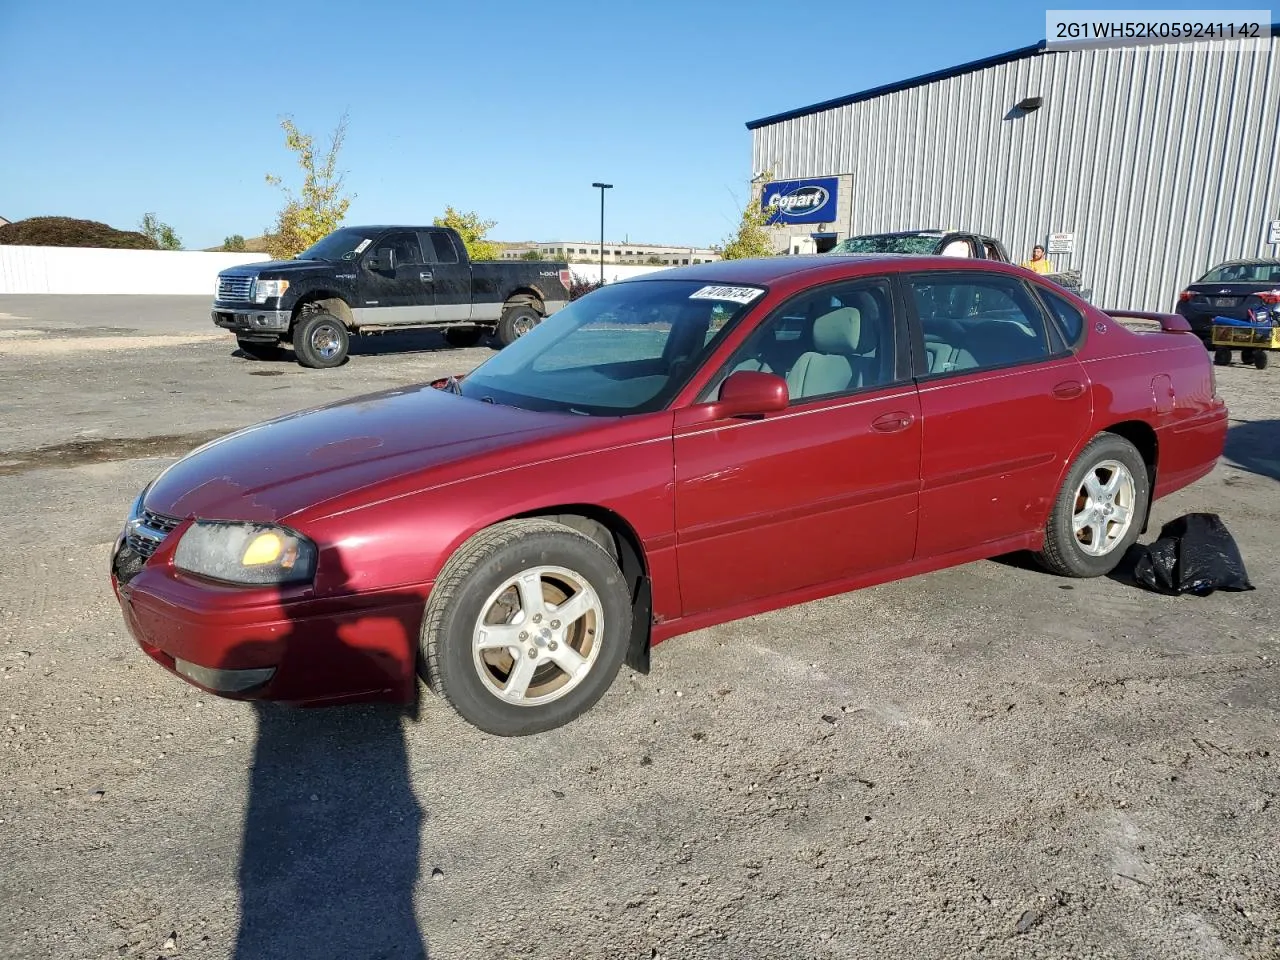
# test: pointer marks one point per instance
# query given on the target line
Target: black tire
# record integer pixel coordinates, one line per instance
(463, 336)
(320, 341)
(517, 320)
(471, 576)
(259, 350)
(1063, 553)
(1260, 359)
(1222, 356)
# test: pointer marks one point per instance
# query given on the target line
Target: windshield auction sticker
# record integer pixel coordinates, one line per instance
(732, 294)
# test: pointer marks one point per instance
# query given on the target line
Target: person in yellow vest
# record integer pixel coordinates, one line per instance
(1038, 262)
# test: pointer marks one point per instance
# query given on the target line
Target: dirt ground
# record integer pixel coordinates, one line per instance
(983, 761)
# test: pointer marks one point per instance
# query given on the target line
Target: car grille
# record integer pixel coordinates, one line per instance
(235, 288)
(146, 537)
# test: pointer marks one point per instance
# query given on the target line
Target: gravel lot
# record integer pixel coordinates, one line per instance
(983, 761)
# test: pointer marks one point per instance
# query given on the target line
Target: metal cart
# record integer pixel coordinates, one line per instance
(1254, 338)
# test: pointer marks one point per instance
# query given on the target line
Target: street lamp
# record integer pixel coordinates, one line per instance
(602, 188)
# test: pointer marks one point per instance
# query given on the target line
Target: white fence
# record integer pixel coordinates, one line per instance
(96, 271)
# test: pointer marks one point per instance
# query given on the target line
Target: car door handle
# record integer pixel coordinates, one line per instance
(894, 422)
(426, 276)
(1068, 389)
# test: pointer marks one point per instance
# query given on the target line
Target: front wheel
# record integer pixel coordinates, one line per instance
(1260, 359)
(517, 320)
(526, 627)
(320, 340)
(1100, 509)
(1222, 357)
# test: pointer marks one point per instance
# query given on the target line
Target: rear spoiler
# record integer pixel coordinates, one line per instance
(1169, 322)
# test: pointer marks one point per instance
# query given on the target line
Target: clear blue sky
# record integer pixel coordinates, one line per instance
(512, 109)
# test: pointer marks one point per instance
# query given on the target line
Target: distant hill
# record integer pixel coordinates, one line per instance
(251, 245)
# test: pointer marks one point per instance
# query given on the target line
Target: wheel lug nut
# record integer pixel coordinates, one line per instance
(537, 618)
(555, 624)
(533, 653)
(524, 634)
(553, 645)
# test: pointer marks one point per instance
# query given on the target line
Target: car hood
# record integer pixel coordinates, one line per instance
(258, 268)
(271, 470)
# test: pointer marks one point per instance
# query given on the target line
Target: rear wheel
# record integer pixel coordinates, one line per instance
(258, 349)
(1260, 359)
(1100, 509)
(1222, 357)
(463, 336)
(526, 627)
(517, 320)
(320, 340)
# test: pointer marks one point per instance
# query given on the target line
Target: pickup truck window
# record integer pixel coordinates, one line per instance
(405, 245)
(889, 243)
(625, 348)
(344, 244)
(442, 245)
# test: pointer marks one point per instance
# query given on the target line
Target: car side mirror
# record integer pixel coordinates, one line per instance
(747, 393)
(385, 260)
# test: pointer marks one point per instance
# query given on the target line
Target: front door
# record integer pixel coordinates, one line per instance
(450, 276)
(391, 296)
(1004, 401)
(827, 488)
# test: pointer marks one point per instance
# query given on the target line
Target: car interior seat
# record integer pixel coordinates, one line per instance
(842, 358)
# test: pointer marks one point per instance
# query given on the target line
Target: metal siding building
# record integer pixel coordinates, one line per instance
(1162, 160)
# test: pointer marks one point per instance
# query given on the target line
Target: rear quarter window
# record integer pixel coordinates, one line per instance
(1070, 321)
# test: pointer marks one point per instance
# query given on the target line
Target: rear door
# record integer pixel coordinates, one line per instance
(823, 490)
(399, 295)
(449, 275)
(1004, 403)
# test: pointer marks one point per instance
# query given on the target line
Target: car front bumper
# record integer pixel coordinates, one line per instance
(253, 643)
(252, 321)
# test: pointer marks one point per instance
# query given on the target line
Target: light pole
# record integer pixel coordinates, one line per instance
(602, 187)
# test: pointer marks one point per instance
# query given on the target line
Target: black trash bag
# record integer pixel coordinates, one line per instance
(1194, 554)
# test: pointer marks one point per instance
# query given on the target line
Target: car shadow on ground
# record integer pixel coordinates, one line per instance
(330, 850)
(381, 344)
(1254, 445)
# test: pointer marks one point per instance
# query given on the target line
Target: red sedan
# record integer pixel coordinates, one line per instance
(666, 453)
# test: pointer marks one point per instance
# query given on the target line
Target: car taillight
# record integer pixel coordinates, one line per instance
(1269, 296)
(566, 277)
(1185, 295)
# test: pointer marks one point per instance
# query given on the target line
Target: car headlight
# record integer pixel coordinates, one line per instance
(251, 553)
(264, 290)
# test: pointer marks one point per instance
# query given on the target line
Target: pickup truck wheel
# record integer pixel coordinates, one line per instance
(517, 320)
(258, 350)
(463, 336)
(1099, 511)
(320, 340)
(526, 627)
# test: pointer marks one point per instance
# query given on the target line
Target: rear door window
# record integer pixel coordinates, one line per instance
(972, 322)
(1070, 321)
(439, 245)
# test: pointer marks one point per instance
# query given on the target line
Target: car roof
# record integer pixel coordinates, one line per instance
(1247, 262)
(766, 270)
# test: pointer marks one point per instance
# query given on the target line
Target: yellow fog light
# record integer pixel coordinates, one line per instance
(264, 548)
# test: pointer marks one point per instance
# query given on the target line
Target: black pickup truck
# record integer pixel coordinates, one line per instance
(377, 279)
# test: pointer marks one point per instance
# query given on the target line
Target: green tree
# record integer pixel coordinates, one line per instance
(472, 230)
(531, 255)
(654, 260)
(320, 205)
(233, 243)
(752, 238)
(159, 233)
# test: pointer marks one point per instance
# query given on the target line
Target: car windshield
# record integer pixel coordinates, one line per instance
(625, 348)
(1243, 273)
(889, 243)
(344, 244)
